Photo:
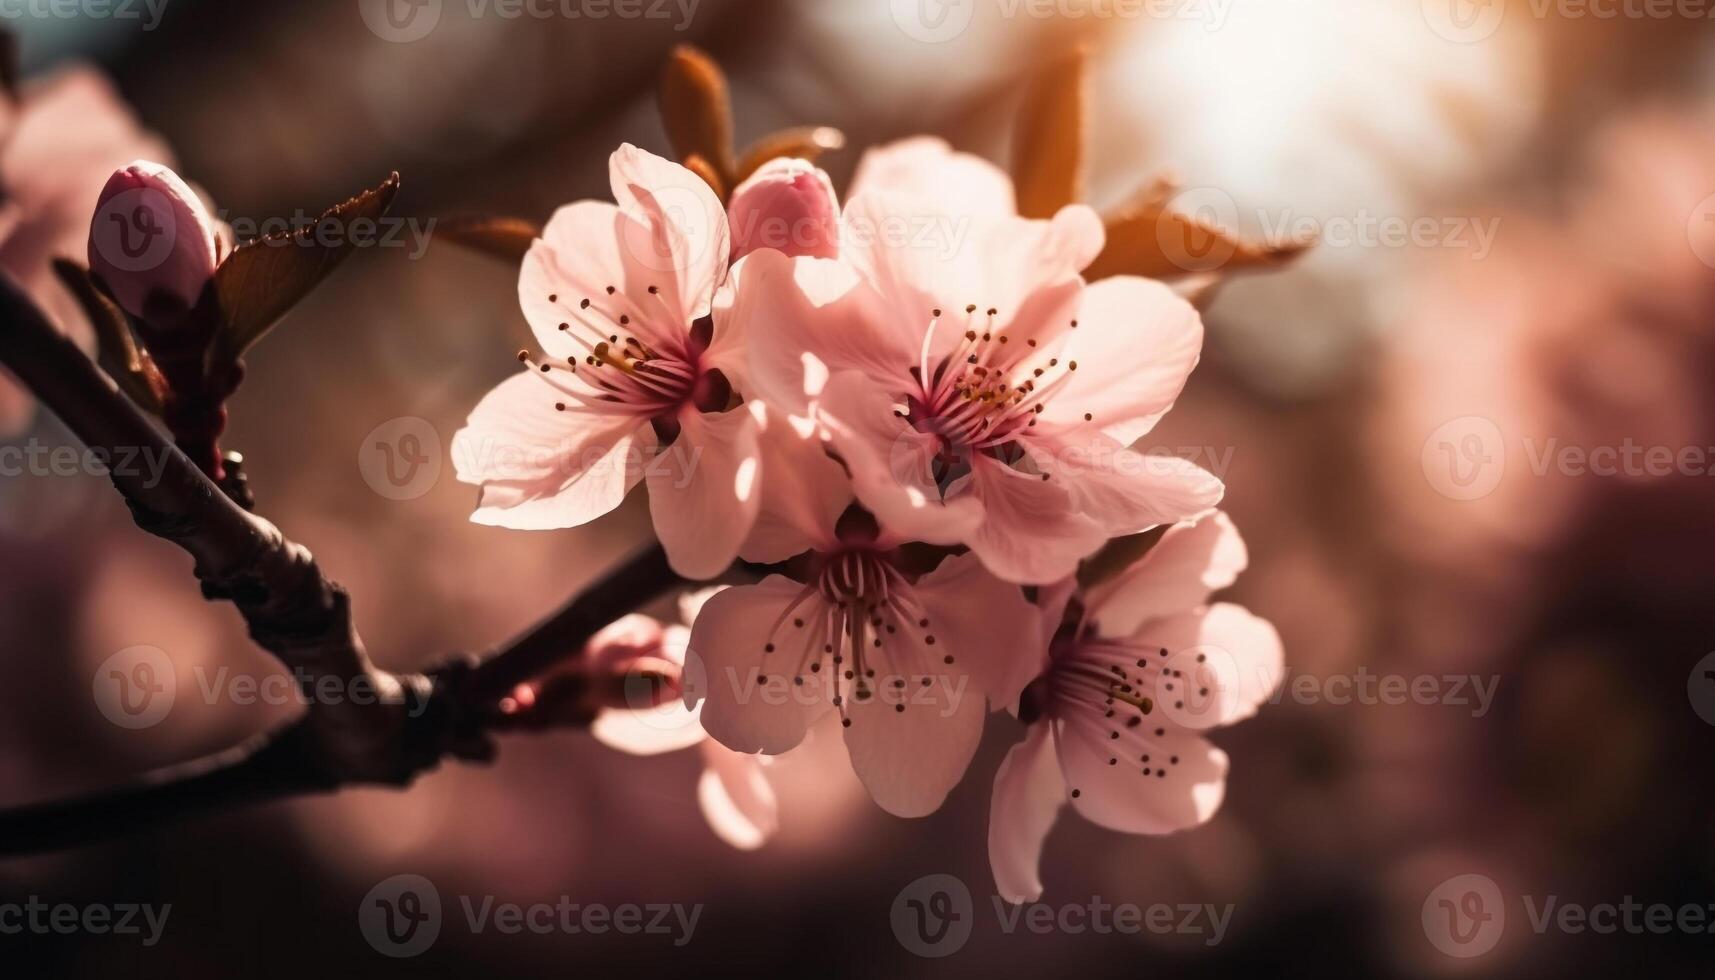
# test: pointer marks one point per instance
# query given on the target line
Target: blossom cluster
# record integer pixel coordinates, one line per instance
(916, 411)
(917, 414)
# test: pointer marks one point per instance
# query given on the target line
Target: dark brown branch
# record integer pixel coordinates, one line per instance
(401, 727)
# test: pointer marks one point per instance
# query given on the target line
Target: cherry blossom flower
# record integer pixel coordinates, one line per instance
(905, 656)
(733, 791)
(979, 391)
(1135, 670)
(641, 380)
(59, 142)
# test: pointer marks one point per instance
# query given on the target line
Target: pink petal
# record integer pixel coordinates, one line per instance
(540, 468)
(889, 463)
(926, 166)
(669, 727)
(921, 258)
(1125, 491)
(691, 605)
(580, 254)
(987, 623)
(1135, 345)
(804, 491)
(678, 237)
(1183, 788)
(910, 760)
(725, 671)
(736, 798)
(1228, 662)
(808, 318)
(627, 638)
(1032, 530)
(787, 205)
(1028, 795)
(703, 492)
(1189, 563)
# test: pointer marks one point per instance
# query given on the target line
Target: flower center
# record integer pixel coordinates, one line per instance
(637, 360)
(984, 395)
(854, 628)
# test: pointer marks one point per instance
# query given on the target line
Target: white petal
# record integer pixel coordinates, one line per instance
(1028, 795)
(704, 492)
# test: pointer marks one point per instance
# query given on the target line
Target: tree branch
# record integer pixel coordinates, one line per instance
(403, 726)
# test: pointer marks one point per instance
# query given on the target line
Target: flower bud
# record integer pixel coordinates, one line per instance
(787, 205)
(153, 242)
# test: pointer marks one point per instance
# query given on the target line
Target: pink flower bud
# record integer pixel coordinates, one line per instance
(153, 242)
(787, 205)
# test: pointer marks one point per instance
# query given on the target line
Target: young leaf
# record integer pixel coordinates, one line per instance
(1147, 238)
(697, 165)
(803, 142)
(1048, 143)
(507, 239)
(697, 110)
(261, 280)
(117, 352)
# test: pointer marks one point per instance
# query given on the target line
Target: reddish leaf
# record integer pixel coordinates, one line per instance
(261, 280)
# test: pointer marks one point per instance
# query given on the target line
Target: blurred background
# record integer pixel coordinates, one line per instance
(1468, 439)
